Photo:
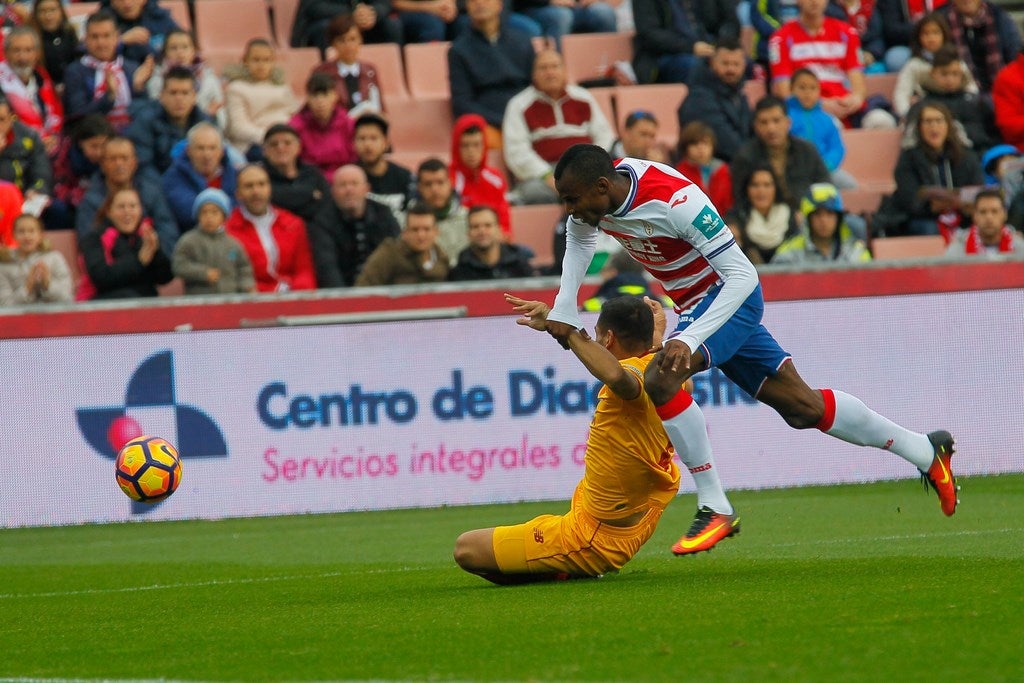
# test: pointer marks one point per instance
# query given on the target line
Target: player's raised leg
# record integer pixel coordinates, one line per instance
(845, 417)
(686, 428)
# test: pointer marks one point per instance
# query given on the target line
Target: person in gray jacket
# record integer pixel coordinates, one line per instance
(207, 259)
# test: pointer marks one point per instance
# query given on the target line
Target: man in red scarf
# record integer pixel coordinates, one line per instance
(989, 235)
(29, 88)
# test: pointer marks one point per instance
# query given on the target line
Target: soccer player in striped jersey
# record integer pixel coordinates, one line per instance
(668, 224)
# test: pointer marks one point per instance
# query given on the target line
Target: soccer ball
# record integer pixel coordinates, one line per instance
(148, 469)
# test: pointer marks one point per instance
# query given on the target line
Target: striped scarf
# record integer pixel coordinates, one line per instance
(118, 114)
(974, 244)
(984, 23)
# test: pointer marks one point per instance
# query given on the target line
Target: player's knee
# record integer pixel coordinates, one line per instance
(463, 552)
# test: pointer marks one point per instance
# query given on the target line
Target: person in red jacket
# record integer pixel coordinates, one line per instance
(1008, 100)
(698, 163)
(274, 239)
(474, 181)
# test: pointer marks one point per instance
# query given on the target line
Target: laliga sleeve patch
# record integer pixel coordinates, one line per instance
(708, 222)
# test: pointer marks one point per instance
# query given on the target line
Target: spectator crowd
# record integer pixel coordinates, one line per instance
(223, 180)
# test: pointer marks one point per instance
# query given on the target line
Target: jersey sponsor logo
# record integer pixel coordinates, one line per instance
(708, 222)
(648, 228)
(818, 50)
(680, 201)
(642, 250)
(538, 535)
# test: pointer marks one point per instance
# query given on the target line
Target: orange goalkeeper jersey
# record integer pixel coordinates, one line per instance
(629, 456)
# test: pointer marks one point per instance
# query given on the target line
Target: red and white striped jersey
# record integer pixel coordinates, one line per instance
(670, 226)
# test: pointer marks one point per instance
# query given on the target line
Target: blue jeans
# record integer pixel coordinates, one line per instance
(557, 21)
(422, 27)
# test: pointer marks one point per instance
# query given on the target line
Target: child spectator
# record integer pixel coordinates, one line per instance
(58, 37)
(257, 96)
(488, 256)
(122, 256)
(761, 218)
(1003, 166)
(207, 259)
(930, 34)
(814, 124)
(989, 235)
(824, 237)
(324, 128)
(103, 81)
(899, 20)
(180, 50)
(356, 80)
(473, 179)
(33, 272)
(947, 84)
(698, 163)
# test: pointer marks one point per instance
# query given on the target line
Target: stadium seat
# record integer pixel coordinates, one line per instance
(426, 70)
(179, 12)
(225, 25)
(861, 201)
(298, 63)
(916, 246)
(283, 18)
(387, 57)
(871, 156)
(533, 226)
(588, 55)
(880, 84)
(661, 100)
(66, 242)
(81, 9)
(421, 125)
(606, 100)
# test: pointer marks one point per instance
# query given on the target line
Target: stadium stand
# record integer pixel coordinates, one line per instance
(426, 70)
(387, 57)
(589, 55)
(282, 18)
(298, 63)
(915, 246)
(606, 100)
(66, 242)
(661, 100)
(422, 125)
(880, 84)
(533, 226)
(871, 156)
(227, 25)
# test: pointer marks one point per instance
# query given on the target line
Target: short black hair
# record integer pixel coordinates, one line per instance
(431, 165)
(990, 193)
(179, 73)
(946, 55)
(91, 126)
(279, 128)
(319, 82)
(100, 16)
(769, 102)
(731, 43)
(630, 319)
(418, 208)
(371, 119)
(586, 163)
(480, 208)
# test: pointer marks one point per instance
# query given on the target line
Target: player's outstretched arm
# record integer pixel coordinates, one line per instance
(600, 362)
(534, 314)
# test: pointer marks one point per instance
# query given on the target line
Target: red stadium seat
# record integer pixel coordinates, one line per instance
(298, 63)
(179, 12)
(915, 246)
(588, 55)
(224, 25)
(880, 84)
(426, 70)
(533, 226)
(387, 57)
(283, 14)
(871, 156)
(606, 100)
(66, 242)
(421, 125)
(661, 100)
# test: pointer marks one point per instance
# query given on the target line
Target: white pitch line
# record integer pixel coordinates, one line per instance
(200, 584)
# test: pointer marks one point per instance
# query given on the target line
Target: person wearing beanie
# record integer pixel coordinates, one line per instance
(207, 259)
(825, 235)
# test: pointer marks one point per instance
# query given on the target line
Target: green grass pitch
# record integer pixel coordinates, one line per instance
(866, 582)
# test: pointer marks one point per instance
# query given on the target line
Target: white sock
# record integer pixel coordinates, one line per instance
(847, 418)
(684, 423)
